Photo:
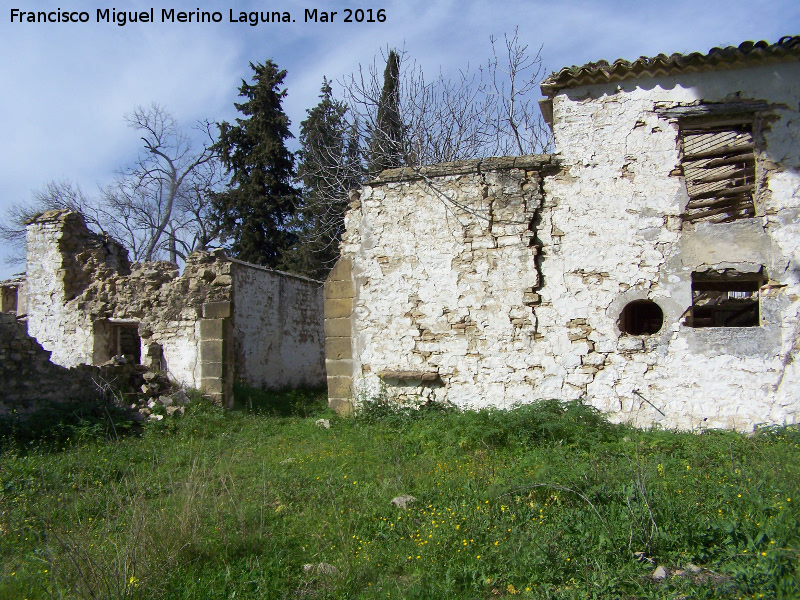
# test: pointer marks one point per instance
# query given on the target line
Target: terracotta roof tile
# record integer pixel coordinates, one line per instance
(746, 54)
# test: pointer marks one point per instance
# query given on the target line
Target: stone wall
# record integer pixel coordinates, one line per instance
(277, 328)
(221, 320)
(504, 281)
(444, 278)
(28, 378)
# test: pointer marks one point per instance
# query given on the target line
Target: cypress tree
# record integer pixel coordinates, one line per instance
(386, 146)
(254, 210)
(328, 169)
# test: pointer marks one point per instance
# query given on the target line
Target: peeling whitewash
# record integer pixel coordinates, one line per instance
(277, 328)
(489, 287)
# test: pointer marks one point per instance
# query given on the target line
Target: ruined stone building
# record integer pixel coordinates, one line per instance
(650, 265)
(220, 322)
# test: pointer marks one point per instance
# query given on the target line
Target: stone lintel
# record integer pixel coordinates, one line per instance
(409, 375)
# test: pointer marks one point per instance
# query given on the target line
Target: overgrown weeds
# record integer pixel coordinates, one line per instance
(55, 424)
(549, 500)
(281, 403)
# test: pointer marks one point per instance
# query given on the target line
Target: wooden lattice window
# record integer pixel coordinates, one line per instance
(718, 163)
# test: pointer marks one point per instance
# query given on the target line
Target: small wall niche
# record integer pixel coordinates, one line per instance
(8, 299)
(641, 317)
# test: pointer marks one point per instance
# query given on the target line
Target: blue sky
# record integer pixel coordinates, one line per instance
(66, 86)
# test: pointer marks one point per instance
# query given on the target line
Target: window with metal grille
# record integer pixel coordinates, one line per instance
(718, 163)
(725, 299)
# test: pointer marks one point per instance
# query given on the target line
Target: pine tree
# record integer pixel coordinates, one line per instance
(386, 146)
(253, 212)
(328, 169)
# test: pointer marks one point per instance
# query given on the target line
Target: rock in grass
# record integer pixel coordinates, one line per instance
(324, 423)
(403, 501)
(692, 568)
(180, 397)
(660, 574)
(320, 569)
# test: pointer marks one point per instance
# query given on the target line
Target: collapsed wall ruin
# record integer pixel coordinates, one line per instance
(221, 321)
(28, 377)
(649, 266)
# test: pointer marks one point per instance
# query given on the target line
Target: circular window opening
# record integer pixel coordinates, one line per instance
(641, 317)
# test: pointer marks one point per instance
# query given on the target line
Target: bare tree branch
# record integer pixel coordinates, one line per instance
(157, 208)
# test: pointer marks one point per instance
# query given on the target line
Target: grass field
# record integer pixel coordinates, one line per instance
(546, 501)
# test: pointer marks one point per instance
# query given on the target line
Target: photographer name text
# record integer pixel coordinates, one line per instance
(170, 15)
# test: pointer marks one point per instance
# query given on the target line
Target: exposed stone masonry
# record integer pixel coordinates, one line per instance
(430, 315)
(220, 320)
(28, 378)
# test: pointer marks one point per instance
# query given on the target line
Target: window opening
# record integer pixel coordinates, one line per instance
(641, 317)
(116, 339)
(8, 298)
(129, 344)
(718, 163)
(728, 299)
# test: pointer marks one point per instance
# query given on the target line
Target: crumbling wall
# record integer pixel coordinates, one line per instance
(613, 233)
(28, 378)
(63, 257)
(504, 281)
(88, 302)
(444, 281)
(167, 307)
(277, 328)
(80, 285)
